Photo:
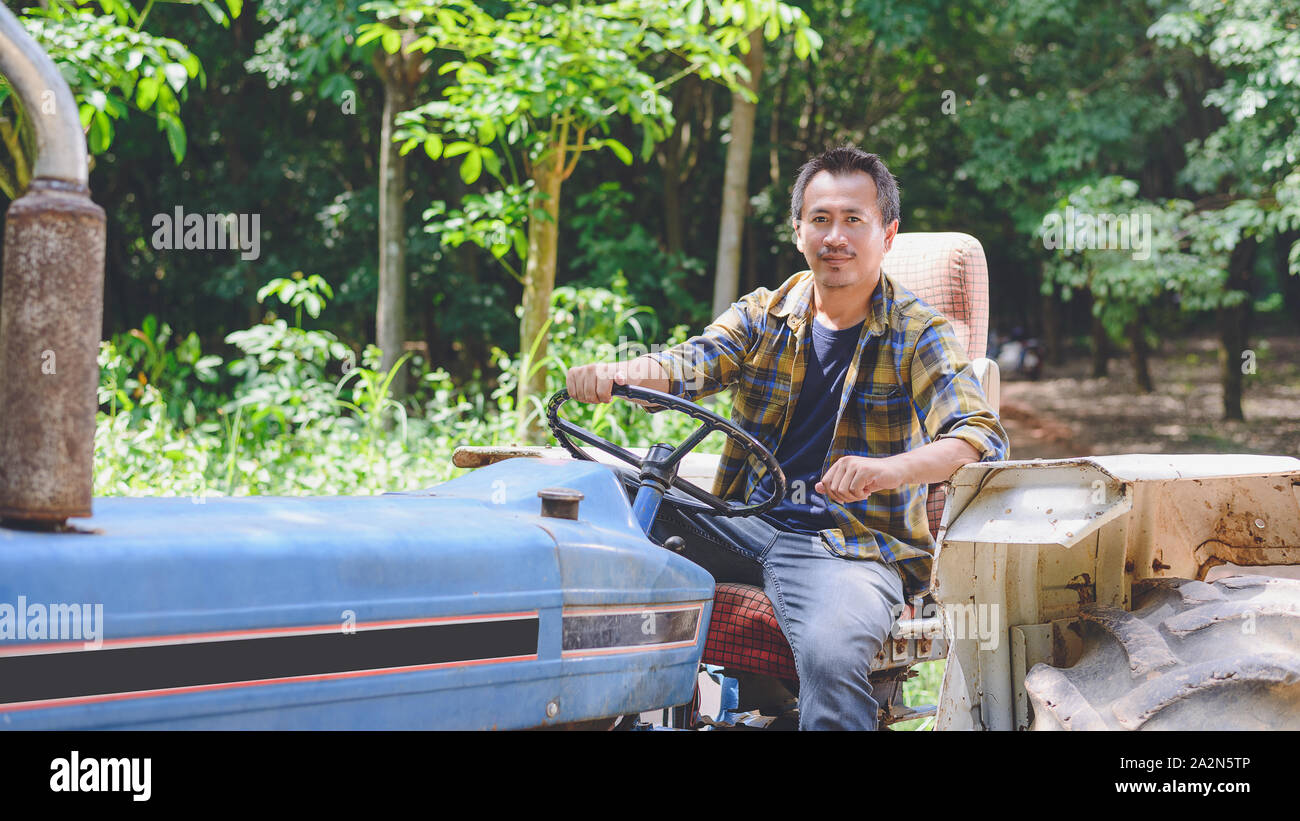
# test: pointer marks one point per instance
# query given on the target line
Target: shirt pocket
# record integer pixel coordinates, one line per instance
(882, 420)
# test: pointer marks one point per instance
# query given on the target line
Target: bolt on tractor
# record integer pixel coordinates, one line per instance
(1123, 592)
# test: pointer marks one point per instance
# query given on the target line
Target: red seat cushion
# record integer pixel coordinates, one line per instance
(744, 634)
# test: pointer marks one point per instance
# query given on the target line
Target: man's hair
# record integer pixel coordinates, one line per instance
(847, 159)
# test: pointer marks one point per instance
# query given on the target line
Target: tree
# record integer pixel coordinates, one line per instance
(735, 185)
(113, 67)
(314, 44)
(548, 83)
(1130, 254)
(1247, 166)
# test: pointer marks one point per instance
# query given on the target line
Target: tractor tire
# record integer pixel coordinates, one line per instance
(1189, 656)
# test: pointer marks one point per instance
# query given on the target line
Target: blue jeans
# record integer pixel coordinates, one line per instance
(835, 612)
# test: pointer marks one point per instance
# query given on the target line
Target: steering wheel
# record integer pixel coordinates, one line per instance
(660, 464)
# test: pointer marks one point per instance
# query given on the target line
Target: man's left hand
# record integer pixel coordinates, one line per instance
(854, 478)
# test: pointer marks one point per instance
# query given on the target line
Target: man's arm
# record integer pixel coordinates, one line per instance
(594, 382)
(698, 367)
(853, 478)
(956, 415)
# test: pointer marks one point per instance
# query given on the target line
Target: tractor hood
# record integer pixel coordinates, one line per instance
(475, 544)
(456, 607)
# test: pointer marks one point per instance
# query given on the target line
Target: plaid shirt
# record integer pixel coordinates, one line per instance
(908, 383)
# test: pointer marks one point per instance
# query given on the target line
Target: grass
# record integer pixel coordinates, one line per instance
(922, 689)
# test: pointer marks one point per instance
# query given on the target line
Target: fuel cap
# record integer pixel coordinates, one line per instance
(560, 502)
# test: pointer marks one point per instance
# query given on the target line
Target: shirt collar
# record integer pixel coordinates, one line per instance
(795, 304)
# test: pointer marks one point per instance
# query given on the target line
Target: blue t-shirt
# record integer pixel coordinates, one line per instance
(802, 451)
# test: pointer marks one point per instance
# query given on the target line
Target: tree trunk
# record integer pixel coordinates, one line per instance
(735, 185)
(1234, 357)
(539, 281)
(1139, 354)
(1282, 264)
(1053, 352)
(1100, 348)
(400, 74)
(750, 281)
(672, 201)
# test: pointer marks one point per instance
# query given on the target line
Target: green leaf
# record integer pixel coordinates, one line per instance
(456, 149)
(392, 41)
(371, 32)
(175, 134)
(146, 91)
(433, 146)
(101, 133)
(471, 167)
(218, 16)
(176, 75)
(621, 151)
(490, 161)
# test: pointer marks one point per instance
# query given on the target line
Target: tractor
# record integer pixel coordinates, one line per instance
(532, 591)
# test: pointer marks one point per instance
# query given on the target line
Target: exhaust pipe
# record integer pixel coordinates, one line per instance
(51, 304)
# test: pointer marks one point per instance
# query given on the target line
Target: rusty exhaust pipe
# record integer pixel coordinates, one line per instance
(51, 304)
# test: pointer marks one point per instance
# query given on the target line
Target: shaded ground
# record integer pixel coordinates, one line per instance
(1067, 413)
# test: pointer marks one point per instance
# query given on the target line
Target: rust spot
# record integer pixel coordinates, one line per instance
(1128, 566)
(1049, 510)
(53, 303)
(1008, 510)
(1083, 586)
(1157, 565)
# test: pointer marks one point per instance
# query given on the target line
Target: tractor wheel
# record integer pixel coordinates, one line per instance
(1189, 656)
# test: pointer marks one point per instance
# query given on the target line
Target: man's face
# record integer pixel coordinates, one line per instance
(840, 233)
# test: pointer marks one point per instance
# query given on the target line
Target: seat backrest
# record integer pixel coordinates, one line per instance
(951, 274)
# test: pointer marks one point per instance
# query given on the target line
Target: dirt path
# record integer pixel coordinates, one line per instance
(1066, 413)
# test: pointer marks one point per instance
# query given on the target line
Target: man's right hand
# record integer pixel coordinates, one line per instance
(594, 383)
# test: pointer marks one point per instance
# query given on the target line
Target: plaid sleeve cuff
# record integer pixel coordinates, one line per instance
(682, 380)
(984, 433)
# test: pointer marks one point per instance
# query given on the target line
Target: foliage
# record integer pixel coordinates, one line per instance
(310, 44)
(113, 67)
(304, 417)
(1152, 265)
(541, 71)
(138, 364)
(299, 292)
(612, 245)
(548, 83)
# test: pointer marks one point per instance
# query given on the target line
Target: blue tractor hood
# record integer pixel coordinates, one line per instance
(459, 606)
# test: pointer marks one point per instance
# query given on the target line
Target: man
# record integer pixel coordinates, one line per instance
(865, 397)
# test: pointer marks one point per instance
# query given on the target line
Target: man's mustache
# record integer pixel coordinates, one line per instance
(825, 252)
